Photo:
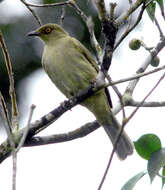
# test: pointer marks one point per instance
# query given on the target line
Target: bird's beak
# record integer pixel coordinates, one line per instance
(33, 33)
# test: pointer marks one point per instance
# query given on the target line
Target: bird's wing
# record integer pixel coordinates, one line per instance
(84, 51)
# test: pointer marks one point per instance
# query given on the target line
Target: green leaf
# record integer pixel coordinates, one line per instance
(155, 163)
(161, 5)
(151, 10)
(160, 2)
(163, 174)
(147, 144)
(129, 185)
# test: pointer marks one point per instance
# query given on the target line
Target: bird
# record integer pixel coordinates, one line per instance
(72, 68)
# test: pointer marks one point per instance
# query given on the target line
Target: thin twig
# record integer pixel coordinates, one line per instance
(124, 17)
(121, 131)
(118, 94)
(73, 4)
(130, 29)
(84, 17)
(112, 10)
(156, 85)
(100, 4)
(131, 86)
(49, 5)
(16, 150)
(21, 143)
(14, 158)
(11, 80)
(158, 27)
(158, 174)
(5, 110)
(137, 76)
(62, 15)
(94, 42)
(41, 124)
(6, 122)
(111, 157)
(46, 120)
(134, 103)
(65, 137)
(89, 23)
(33, 13)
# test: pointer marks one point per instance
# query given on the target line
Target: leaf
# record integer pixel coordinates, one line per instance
(129, 185)
(163, 174)
(160, 2)
(147, 144)
(161, 5)
(155, 163)
(151, 10)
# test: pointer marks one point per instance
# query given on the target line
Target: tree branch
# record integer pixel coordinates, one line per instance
(130, 88)
(130, 29)
(45, 121)
(11, 80)
(33, 13)
(58, 138)
(135, 103)
(124, 17)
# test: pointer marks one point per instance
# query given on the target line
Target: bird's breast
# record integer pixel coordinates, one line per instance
(67, 70)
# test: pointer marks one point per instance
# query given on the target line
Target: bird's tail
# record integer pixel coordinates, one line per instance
(99, 106)
(124, 146)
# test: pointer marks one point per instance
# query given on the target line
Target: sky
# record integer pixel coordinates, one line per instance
(80, 164)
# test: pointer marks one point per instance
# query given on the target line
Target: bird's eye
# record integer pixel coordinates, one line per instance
(47, 30)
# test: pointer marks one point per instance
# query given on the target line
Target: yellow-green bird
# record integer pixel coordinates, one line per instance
(72, 68)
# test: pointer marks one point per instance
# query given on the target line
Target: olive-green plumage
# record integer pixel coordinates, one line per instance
(72, 68)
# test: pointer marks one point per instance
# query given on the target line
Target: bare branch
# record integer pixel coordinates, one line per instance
(124, 17)
(73, 4)
(121, 131)
(14, 158)
(6, 121)
(48, 5)
(112, 10)
(146, 104)
(62, 15)
(49, 118)
(101, 9)
(111, 157)
(88, 21)
(94, 42)
(5, 110)
(130, 88)
(118, 94)
(33, 13)
(137, 76)
(11, 80)
(58, 138)
(155, 20)
(90, 25)
(21, 143)
(155, 86)
(130, 29)
(159, 28)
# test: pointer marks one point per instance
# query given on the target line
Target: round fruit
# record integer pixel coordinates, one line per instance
(155, 61)
(135, 44)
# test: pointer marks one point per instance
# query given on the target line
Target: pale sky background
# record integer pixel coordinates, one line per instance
(80, 164)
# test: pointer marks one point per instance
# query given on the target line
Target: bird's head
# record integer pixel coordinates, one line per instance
(48, 32)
